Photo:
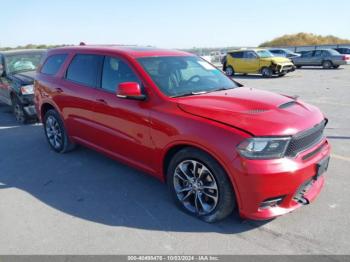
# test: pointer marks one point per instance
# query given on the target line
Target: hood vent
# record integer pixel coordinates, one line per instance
(288, 104)
(255, 111)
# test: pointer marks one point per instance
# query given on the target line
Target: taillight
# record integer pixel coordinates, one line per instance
(346, 57)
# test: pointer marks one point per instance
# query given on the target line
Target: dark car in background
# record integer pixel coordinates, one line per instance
(17, 71)
(343, 50)
(282, 52)
(327, 58)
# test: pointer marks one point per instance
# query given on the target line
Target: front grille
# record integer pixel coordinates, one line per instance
(288, 67)
(306, 139)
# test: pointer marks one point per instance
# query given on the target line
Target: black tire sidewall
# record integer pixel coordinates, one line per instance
(266, 75)
(15, 102)
(226, 203)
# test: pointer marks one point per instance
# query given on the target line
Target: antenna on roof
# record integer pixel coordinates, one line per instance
(82, 43)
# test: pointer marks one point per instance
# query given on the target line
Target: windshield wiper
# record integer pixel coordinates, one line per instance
(220, 89)
(191, 94)
(204, 92)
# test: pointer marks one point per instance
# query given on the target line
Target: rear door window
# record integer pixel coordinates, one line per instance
(319, 53)
(237, 54)
(53, 64)
(85, 69)
(308, 54)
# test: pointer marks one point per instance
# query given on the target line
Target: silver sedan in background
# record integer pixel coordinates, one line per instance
(327, 58)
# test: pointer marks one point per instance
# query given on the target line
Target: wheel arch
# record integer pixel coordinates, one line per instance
(46, 106)
(174, 148)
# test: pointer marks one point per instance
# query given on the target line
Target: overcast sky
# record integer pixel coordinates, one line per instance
(169, 24)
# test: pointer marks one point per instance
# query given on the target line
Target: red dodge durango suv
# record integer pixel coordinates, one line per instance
(219, 146)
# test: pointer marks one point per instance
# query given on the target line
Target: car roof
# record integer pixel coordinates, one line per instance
(324, 49)
(22, 51)
(248, 49)
(133, 51)
(276, 48)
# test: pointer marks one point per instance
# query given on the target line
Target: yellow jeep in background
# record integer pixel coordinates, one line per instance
(256, 61)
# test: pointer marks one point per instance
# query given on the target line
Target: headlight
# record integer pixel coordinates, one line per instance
(264, 147)
(27, 90)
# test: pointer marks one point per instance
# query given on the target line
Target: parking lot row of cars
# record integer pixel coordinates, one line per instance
(269, 62)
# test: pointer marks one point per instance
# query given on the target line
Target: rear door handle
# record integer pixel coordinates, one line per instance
(102, 101)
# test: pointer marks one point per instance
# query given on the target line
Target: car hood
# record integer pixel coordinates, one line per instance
(25, 78)
(277, 60)
(257, 112)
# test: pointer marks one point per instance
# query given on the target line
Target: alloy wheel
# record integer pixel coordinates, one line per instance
(229, 71)
(195, 187)
(53, 132)
(327, 64)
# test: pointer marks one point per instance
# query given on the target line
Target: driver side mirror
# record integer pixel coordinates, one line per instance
(130, 90)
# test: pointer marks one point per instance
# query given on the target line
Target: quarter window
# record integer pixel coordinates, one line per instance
(85, 69)
(116, 71)
(53, 64)
(250, 55)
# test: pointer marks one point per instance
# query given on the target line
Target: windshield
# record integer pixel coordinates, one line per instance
(16, 63)
(185, 75)
(264, 54)
(288, 51)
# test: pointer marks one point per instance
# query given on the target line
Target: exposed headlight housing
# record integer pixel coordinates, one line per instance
(27, 90)
(264, 147)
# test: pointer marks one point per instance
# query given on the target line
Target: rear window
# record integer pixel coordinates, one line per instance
(333, 52)
(85, 69)
(53, 64)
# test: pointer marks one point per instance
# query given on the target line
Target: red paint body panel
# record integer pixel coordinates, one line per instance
(141, 133)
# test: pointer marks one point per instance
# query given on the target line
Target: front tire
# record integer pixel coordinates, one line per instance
(266, 72)
(56, 134)
(200, 186)
(18, 111)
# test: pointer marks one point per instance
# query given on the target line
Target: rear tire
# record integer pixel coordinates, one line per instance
(336, 66)
(200, 186)
(327, 64)
(55, 133)
(229, 71)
